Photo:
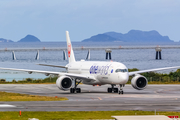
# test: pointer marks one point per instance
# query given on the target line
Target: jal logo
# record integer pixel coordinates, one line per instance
(69, 50)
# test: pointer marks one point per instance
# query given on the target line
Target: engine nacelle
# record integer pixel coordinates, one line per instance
(139, 82)
(64, 83)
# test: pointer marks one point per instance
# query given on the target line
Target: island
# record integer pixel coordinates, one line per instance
(29, 38)
(5, 40)
(132, 36)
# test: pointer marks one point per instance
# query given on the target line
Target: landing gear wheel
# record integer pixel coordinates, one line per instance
(109, 90)
(78, 90)
(121, 92)
(112, 89)
(72, 90)
(75, 89)
(115, 90)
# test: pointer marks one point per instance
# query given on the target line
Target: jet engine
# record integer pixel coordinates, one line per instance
(139, 82)
(64, 83)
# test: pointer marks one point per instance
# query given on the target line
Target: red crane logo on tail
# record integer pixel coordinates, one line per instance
(69, 50)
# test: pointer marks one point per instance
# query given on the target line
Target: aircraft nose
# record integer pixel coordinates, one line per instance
(124, 78)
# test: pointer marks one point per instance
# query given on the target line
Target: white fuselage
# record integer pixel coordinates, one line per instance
(100, 72)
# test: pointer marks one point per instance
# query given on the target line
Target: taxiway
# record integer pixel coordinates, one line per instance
(154, 97)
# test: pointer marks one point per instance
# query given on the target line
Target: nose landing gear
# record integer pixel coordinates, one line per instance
(121, 89)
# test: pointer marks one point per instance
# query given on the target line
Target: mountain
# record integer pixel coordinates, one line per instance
(29, 38)
(5, 40)
(100, 38)
(131, 36)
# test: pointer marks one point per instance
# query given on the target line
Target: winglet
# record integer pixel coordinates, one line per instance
(69, 48)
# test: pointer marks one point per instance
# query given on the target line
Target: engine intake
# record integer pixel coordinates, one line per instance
(64, 83)
(139, 82)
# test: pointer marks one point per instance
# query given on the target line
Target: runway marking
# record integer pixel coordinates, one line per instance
(99, 98)
(92, 98)
(6, 105)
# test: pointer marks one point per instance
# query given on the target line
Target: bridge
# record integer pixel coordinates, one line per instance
(87, 48)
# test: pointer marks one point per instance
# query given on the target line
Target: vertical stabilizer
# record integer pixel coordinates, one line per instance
(69, 48)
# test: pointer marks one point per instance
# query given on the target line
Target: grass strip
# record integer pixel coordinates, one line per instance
(4, 96)
(76, 114)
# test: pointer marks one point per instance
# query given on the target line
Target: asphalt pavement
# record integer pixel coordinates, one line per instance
(154, 97)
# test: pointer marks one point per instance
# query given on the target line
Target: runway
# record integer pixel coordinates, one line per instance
(154, 97)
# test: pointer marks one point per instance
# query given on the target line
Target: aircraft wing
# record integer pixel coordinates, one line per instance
(52, 65)
(79, 76)
(31, 71)
(150, 70)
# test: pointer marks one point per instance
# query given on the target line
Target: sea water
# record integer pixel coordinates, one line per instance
(132, 58)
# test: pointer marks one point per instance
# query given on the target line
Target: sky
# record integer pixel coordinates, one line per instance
(49, 19)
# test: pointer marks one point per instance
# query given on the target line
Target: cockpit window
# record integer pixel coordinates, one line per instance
(121, 70)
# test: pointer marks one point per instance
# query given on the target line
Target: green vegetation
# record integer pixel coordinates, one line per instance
(4, 96)
(31, 81)
(75, 114)
(153, 78)
(160, 78)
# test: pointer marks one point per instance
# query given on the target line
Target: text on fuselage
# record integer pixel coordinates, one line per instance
(102, 70)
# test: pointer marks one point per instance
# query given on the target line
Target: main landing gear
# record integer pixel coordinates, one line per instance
(112, 89)
(116, 90)
(75, 89)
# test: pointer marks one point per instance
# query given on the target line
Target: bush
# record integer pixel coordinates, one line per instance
(2, 80)
(29, 79)
(133, 69)
(14, 81)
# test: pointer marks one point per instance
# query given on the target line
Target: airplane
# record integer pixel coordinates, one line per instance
(94, 73)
